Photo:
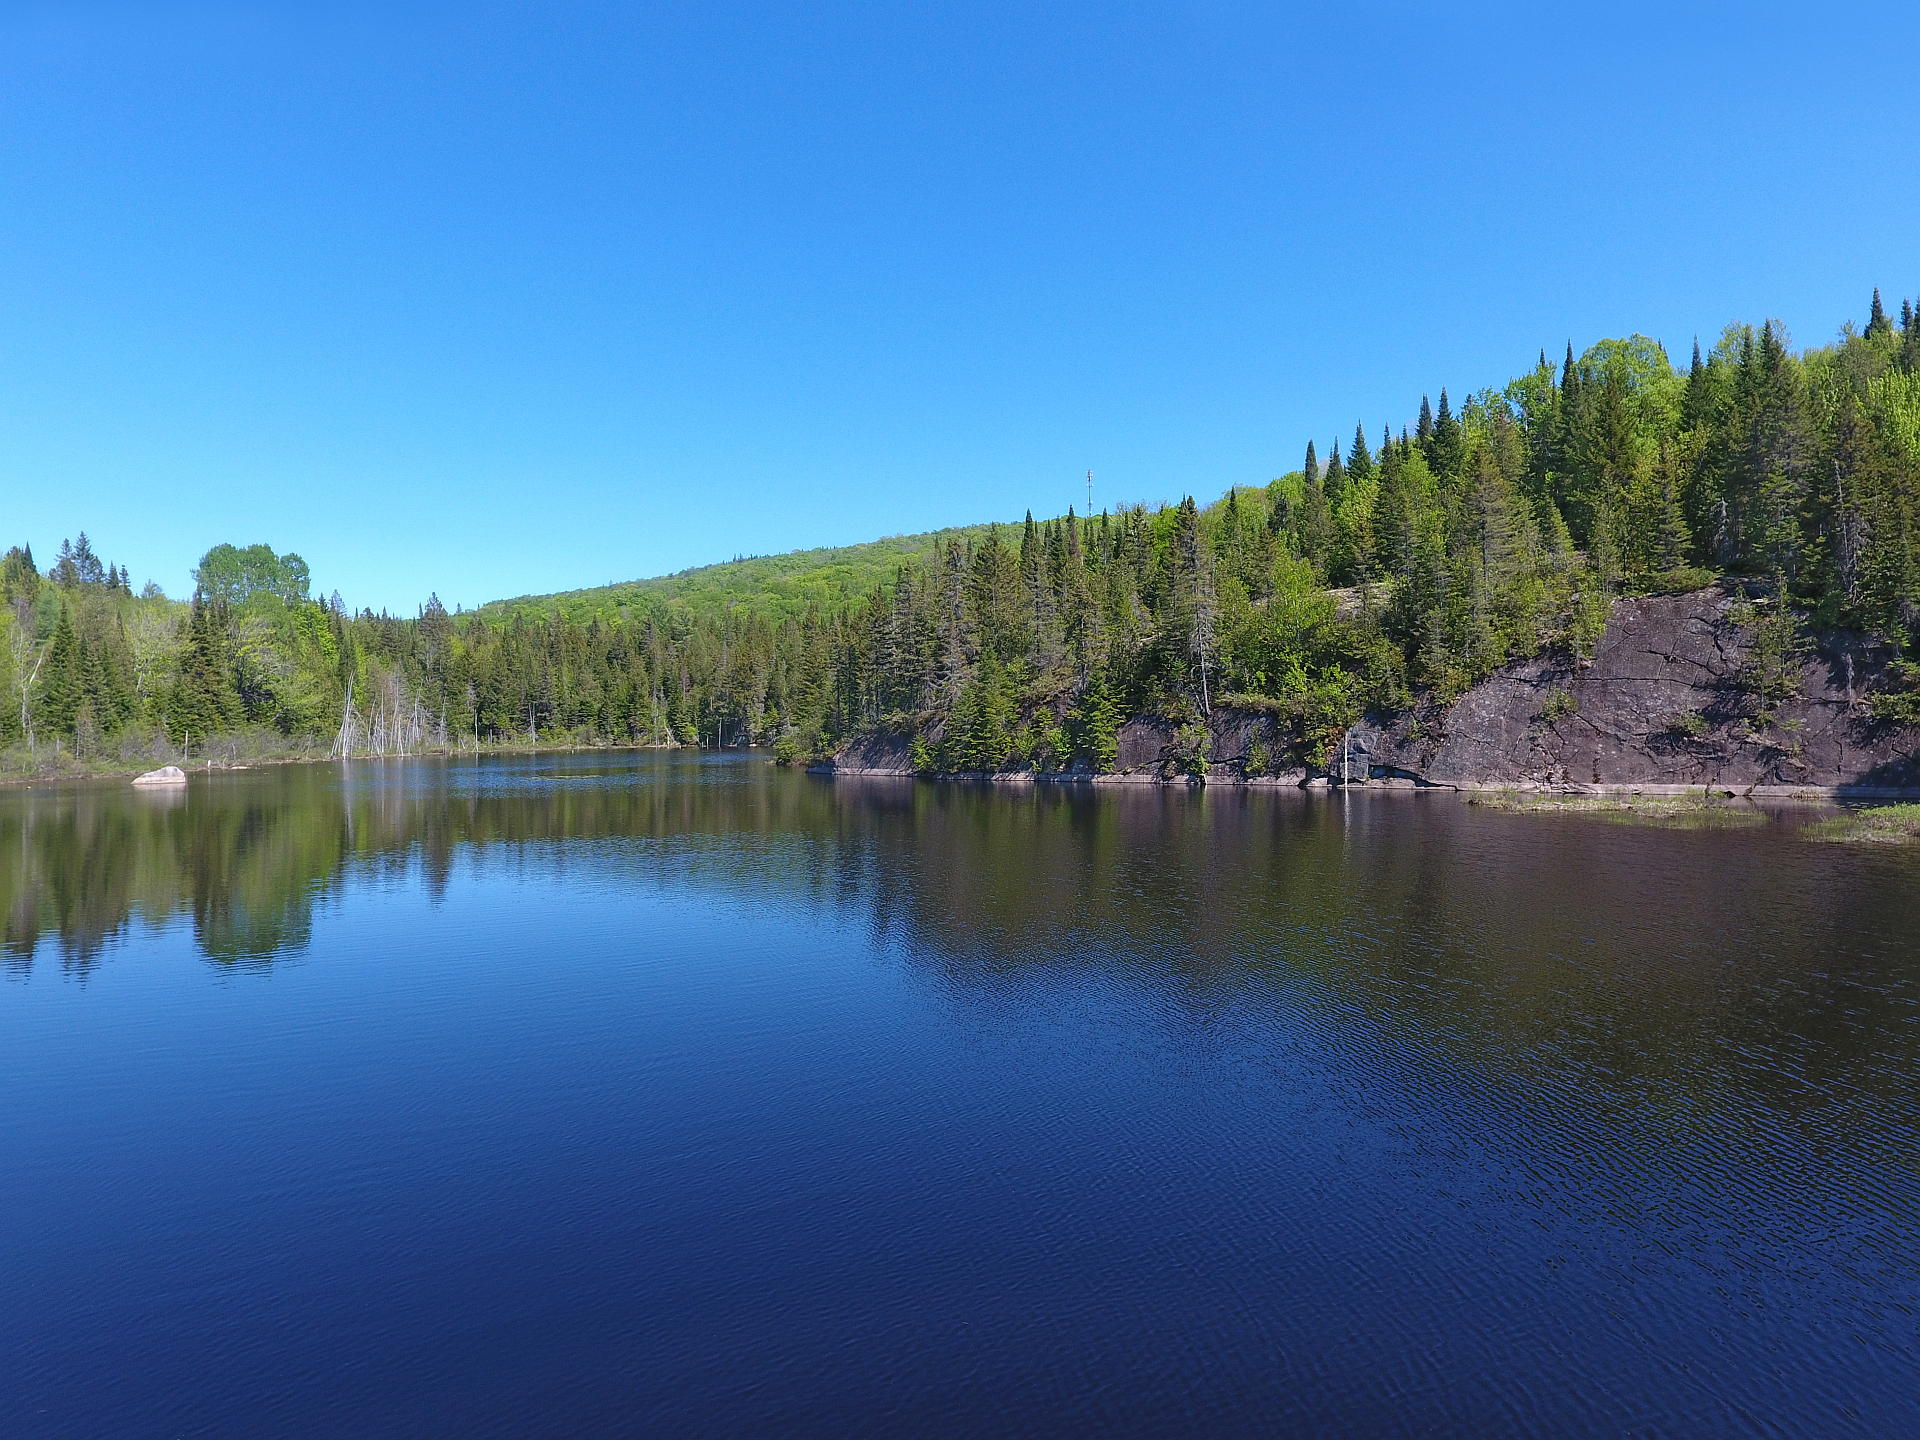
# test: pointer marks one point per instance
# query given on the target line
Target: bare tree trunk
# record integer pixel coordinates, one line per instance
(344, 741)
(23, 646)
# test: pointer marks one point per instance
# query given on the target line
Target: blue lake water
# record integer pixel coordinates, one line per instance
(682, 1096)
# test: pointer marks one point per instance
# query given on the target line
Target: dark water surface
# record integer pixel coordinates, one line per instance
(678, 1096)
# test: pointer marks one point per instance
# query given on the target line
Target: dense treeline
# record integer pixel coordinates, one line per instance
(1418, 561)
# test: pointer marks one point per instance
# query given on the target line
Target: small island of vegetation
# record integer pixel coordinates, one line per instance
(1700, 811)
(1874, 825)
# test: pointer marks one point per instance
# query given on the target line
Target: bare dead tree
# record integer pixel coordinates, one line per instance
(28, 655)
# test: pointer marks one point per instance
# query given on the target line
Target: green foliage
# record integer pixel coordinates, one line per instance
(1874, 825)
(1508, 524)
(1678, 581)
(1096, 726)
(231, 576)
(1588, 614)
(1559, 705)
(19, 580)
(1192, 747)
(1051, 746)
(1775, 650)
(1898, 703)
(795, 748)
(775, 588)
(206, 696)
(1259, 759)
(980, 733)
(1685, 725)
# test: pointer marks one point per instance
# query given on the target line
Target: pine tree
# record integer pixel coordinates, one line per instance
(1444, 450)
(1359, 458)
(998, 600)
(1878, 326)
(980, 730)
(1096, 725)
(19, 580)
(205, 699)
(1333, 478)
(62, 690)
(1603, 458)
(1774, 459)
(1313, 528)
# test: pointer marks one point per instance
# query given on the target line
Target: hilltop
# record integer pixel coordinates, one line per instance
(777, 587)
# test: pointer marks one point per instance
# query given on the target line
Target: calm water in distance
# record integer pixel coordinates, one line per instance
(682, 1096)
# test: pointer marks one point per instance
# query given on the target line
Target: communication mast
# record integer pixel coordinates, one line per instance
(1089, 493)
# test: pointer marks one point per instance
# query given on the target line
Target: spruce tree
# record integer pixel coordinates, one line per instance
(1359, 458)
(1878, 326)
(1096, 725)
(1334, 477)
(19, 580)
(1444, 449)
(1313, 528)
(62, 688)
(205, 699)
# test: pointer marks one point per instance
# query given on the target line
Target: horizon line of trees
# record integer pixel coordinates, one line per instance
(1492, 528)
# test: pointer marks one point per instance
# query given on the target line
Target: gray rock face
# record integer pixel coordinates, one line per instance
(1662, 702)
(879, 754)
(165, 775)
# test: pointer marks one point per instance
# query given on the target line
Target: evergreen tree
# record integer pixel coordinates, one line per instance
(62, 690)
(19, 580)
(1878, 326)
(1444, 448)
(205, 699)
(1359, 458)
(1313, 528)
(1333, 478)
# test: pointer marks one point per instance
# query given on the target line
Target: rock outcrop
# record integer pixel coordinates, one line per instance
(1664, 702)
(886, 752)
(165, 775)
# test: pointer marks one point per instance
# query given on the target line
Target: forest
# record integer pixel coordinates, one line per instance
(1500, 524)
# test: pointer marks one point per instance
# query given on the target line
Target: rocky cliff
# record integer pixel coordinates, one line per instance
(1665, 701)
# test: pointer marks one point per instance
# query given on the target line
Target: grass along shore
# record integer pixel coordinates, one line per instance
(1875, 825)
(1673, 812)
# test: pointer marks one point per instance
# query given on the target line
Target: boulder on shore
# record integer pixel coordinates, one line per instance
(165, 775)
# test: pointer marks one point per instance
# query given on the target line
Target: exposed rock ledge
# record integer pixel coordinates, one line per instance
(1659, 706)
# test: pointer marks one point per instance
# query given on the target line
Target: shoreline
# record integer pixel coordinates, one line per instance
(125, 772)
(1389, 785)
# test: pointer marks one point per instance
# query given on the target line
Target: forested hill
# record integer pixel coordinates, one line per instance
(1505, 523)
(773, 587)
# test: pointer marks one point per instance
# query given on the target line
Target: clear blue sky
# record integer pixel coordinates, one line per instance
(496, 298)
